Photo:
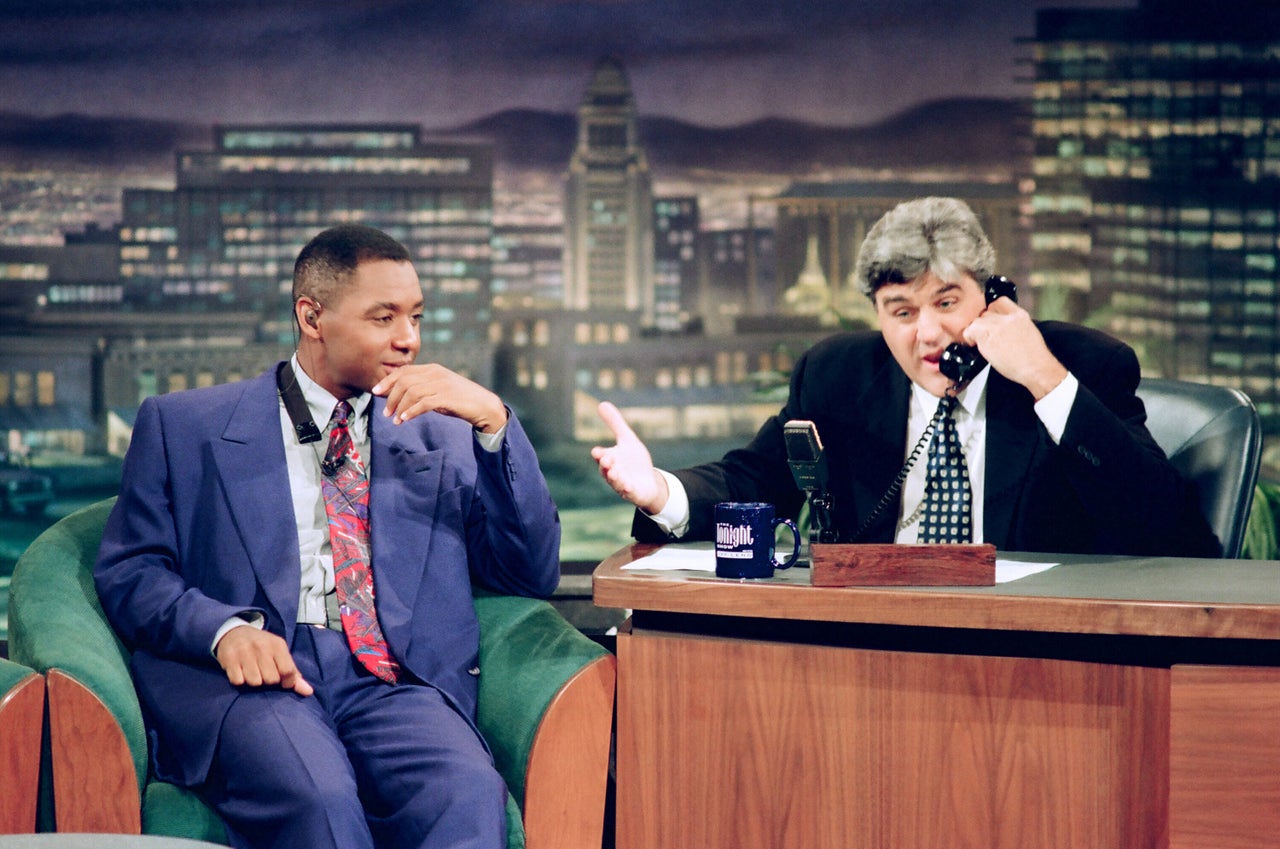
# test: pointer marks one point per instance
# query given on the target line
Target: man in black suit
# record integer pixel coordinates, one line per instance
(1057, 453)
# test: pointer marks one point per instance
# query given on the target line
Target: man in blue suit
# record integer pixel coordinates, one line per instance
(217, 570)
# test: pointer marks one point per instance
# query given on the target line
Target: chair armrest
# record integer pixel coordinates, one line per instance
(546, 709)
(94, 788)
(568, 771)
(21, 729)
(56, 622)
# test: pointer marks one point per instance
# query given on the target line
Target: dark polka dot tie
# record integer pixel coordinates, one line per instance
(948, 500)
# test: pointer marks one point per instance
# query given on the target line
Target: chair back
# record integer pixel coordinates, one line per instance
(1213, 436)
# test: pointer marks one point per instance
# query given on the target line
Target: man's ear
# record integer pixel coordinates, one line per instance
(307, 313)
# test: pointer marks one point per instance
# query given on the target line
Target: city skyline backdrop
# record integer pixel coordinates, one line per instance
(1131, 156)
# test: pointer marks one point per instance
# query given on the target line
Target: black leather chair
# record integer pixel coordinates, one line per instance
(1213, 436)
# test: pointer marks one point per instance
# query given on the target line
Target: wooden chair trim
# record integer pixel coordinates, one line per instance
(95, 788)
(21, 729)
(568, 769)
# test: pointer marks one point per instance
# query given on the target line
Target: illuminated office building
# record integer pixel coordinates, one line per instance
(527, 266)
(1157, 172)
(554, 367)
(675, 261)
(738, 275)
(608, 207)
(226, 237)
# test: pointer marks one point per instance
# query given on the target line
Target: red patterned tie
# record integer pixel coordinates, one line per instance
(346, 501)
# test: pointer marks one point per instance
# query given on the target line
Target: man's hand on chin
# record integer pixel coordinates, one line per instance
(416, 389)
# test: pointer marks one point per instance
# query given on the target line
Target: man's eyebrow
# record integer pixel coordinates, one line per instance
(392, 306)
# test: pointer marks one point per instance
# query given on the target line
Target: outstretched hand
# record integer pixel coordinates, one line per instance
(627, 466)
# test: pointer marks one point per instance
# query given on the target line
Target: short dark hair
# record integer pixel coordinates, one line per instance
(330, 259)
(935, 234)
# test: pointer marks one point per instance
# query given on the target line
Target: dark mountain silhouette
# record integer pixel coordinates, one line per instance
(524, 138)
(972, 132)
(964, 132)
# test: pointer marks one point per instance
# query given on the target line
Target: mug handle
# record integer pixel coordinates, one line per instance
(795, 551)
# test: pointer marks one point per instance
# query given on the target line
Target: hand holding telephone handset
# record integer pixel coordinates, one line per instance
(960, 362)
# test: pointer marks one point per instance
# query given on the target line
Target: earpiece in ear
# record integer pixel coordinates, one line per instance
(311, 317)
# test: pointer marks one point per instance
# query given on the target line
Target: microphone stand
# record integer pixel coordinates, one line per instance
(820, 525)
(808, 463)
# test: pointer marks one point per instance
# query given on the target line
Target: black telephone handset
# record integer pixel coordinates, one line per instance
(961, 362)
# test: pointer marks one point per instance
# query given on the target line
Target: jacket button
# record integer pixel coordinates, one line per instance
(1089, 455)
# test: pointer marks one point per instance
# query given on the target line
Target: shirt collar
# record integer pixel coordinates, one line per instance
(320, 402)
(970, 399)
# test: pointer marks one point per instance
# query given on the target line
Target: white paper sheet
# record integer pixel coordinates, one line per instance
(691, 556)
(1012, 570)
(701, 557)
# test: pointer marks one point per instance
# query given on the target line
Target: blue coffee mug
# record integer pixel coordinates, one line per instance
(745, 540)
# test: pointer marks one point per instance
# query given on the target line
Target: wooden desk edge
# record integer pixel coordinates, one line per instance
(612, 586)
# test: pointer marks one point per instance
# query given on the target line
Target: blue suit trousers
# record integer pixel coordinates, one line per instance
(358, 764)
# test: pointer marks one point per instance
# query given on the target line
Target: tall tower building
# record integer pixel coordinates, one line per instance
(1157, 172)
(608, 262)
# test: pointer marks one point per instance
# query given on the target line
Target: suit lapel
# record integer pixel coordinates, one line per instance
(404, 489)
(1014, 436)
(251, 463)
(877, 443)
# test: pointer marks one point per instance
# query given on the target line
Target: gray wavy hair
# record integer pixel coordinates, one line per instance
(935, 234)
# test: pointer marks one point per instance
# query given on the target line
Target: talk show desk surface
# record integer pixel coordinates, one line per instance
(1106, 702)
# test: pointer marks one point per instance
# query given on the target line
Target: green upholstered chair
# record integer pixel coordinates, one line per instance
(21, 728)
(545, 706)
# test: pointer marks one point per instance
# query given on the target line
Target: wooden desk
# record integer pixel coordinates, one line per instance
(1120, 702)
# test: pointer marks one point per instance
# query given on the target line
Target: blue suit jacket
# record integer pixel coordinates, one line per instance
(204, 530)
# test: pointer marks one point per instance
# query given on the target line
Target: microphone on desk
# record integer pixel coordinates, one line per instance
(808, 463)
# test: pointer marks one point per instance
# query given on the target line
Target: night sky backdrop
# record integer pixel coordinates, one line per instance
(440, 64)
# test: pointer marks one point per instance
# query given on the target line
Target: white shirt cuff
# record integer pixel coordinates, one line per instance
(1054, 408)
(674, 516)
(255, 619)
(491, 442)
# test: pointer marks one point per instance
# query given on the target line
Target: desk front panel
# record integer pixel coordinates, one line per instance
(1224, 757)
(728, 742)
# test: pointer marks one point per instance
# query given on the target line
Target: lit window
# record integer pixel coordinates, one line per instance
(45, 389)
(23, 389)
